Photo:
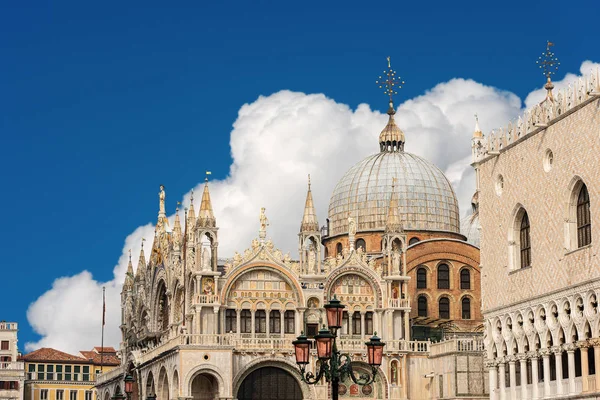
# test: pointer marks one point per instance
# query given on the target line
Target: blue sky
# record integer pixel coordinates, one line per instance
(101, 103)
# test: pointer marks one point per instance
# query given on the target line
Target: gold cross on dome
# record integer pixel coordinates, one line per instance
(389, 82)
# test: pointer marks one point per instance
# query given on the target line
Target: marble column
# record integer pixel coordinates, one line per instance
(406, 325)
(523, 362)
(512, 375)
(570, 348)
(362, 324)
(301, 319)
(282, 322)
(557, 351)
(596, 343)
(238, 321)
(268, 323)
(502, 373)
(546, 362)
(535, 384)
(253, 323)
(493, 378)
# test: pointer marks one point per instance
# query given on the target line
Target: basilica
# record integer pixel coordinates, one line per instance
(198, 326)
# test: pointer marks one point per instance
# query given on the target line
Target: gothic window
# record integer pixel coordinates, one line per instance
(422, 306)
(369, 323)
(246, 321)
(230, 321)
(465, 279)
(584, 219)
(525, 241)
(289, 321)
(443, 276)
(413, 240)
(444, 308)
(356, 323)
(421, 278)
(260, 321)
(274, 321)
(466, 308)
(345, 323)
(338, 249)
(361, 243)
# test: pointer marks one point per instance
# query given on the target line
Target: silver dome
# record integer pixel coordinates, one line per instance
(425, 197)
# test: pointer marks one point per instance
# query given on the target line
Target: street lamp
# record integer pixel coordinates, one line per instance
(128, 385)
(335, 366)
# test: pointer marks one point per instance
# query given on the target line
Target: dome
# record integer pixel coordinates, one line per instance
(426, 200)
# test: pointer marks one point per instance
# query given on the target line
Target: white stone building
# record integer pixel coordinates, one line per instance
(12, 371)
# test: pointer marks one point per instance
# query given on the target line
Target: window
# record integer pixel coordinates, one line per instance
(584, 219)
(444, 308)
(369, 323)
(345, 323)
(466, 308)
(86, 373)
(274, 321)
(30, 371)
(422, 306)
(356, 323)
(246, 321)
(525, 242)
(77, 370)
(443, 276)
(67, 372)
(465, 279)
(338, 249)
(230, 321)
(421, 278)
(4, 345)
(312, 330)
(73, 395)
(413, 240)
(260, 321)
(41, 370)
(361, 243)
(44, 394)
(50, 372)
(290, 321)
(59, 370)
(60, 394)
(88, 395)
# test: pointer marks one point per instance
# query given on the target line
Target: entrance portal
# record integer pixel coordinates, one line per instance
(270, 383)
(205, 387)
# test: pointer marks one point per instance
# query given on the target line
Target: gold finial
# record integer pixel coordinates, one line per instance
(143, 240)
(389, 82)
(207, 174)
(129, 254)
(192, 197)
(548, 63)
(308, 181)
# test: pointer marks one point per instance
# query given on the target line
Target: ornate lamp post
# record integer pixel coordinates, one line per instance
(128, 385)
(335, 366)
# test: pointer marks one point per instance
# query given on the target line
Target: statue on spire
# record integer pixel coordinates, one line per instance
(161, 198)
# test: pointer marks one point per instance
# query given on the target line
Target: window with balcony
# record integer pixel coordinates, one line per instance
(31, 371)
(86, 373)
(76, 372)
(246, 321)
(68, 375)
(59, 374)
(274, 321)
(260, 321)
(290, 321)
(50, 372)
(41, 372)
(230, 321)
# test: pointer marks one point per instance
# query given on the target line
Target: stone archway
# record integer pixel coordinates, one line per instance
(204, 387)
(269, 383)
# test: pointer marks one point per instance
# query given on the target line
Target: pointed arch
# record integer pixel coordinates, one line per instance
(519, 239)
(578, 215)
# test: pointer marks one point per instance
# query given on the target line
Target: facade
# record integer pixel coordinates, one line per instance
(12, 371)
(54, 375)
(392, 251)
(538, 191)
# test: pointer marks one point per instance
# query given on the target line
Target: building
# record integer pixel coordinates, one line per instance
(55, 375)
(392, 251)
(12, 371)
(538, 192)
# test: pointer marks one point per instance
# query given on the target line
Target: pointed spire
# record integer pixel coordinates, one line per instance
(206, 217)
(393, 222)
(477, 132)
(177, 223)
(128, 284)
(141, 267)
(191, 211)
(309, 219)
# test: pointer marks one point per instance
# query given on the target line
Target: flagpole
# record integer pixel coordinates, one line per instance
(103, 322)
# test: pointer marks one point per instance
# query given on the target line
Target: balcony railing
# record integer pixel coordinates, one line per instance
(399, 303)
(12, 365)
(457, 345)
(8, 326)
(207, 299)
(107, 376)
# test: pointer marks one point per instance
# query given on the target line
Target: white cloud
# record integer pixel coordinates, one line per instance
(276, 141)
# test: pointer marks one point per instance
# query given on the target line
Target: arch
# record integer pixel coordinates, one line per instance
(206, 369)
(465, 278)
(150, 386)
(364, 273)
(443, 276)
(421, 277)
(519, 239)
(163, 385)
(361, 243)
(578, 215)
(444, 307)
(204, 386)
(161, 306)
(422, 309)
(175, 386)
(413, 240)
(339, 249)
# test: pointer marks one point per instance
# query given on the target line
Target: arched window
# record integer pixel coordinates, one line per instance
(289, 321)
(338, 249)
(584, 219)
(356, 323)
(421, 278)
(443, 276)
(260, 321)
(361, 243)
(230, 321)
(444, 308)
(413, 240)
(246, 321)
(466, 308)
(525, 241)
(369, 323)
(422, 306)
(274, 321)
(465, 279)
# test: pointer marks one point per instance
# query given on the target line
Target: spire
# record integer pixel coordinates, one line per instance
(128, 284)
(205, 216)
(477, 132)
(391, 137)
(309, 220)
(191, 211)
(141, 267)
(549, 63)
(393, 222)
(177, 224)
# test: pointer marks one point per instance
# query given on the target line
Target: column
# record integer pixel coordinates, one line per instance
(378, 323)
(535, 387)
(557, 350)
(216, 320)
(268, 323)
(282, 320)
(596, 344)
(546, 360)
(512, 374)
(253, 323)
(238, 321)
(301, 319)
(362, 324)
(571, 359)
(350, 323)
(406, 325)
(502, 373)
(493, 378)
(523, 361)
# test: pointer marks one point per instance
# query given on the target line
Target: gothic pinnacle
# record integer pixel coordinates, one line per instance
(206, 218)
(309, 219)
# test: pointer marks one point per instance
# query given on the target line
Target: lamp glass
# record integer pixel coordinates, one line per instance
(301, 349)
(324, 341)
(375, 351)
(335, 312)
(129, 384)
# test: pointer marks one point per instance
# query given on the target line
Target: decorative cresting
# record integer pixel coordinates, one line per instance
(391, 137)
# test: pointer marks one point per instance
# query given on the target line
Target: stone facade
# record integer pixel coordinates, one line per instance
(539, 284)
(12, 370)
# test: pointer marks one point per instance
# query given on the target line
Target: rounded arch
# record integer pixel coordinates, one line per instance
(360, 242)
(443, 271)
(364, 273)
(466, 276)
(163, 385)
(205, 369)
(280, 363)
(339, 249)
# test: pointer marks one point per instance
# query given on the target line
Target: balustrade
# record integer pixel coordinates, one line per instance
(399, 303)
